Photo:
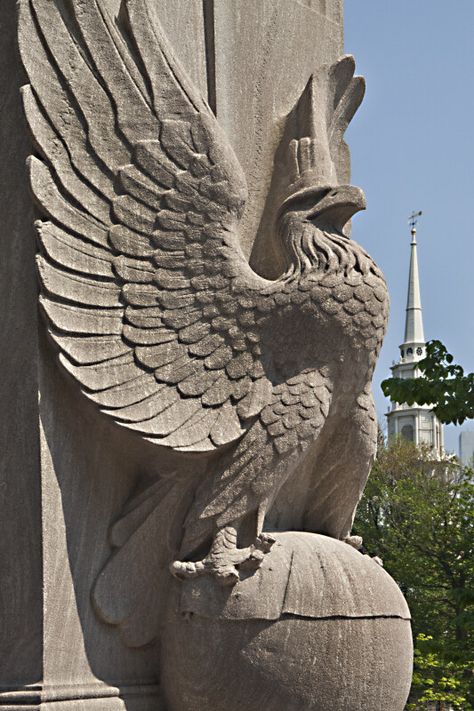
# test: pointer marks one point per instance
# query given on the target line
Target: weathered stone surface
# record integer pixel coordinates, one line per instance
(306, 575)
(20, 493)
(328, 630)
(225, 392)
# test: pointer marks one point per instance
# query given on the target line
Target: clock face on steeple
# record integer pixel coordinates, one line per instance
(419, 351)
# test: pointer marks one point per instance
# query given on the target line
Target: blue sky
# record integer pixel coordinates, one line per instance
(412, 145)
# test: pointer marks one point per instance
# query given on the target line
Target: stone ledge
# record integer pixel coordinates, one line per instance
(96, 697)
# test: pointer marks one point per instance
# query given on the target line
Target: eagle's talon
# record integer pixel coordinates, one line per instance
(355, 541)
(254, 560)
(183, 570)
(264, 542)
(358, 543)
(225, 559)
(226, 575)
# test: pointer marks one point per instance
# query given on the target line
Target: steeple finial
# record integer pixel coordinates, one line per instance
(413, 220)
(414, 335)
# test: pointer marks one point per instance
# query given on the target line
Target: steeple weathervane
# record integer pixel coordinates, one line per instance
(413, 219)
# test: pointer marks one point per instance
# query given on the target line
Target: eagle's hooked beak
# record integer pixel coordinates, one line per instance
(337, 206)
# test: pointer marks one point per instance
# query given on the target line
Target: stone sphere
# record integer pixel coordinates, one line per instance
(319, 627)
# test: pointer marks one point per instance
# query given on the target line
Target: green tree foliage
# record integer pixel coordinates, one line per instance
(443, 384)
(417, 514)
(436, 679)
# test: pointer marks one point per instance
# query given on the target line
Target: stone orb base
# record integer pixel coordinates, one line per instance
(319, 628)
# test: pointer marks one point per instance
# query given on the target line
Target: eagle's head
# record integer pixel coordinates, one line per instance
(311, 226)
(328, 207)
(314, 196)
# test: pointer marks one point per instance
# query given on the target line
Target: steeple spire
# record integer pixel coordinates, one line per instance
(413, 346)
(414, 319)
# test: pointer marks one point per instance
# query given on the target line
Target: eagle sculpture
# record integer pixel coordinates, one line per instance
(152, 305)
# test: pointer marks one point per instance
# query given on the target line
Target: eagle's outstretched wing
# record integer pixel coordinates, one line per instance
(146, 291)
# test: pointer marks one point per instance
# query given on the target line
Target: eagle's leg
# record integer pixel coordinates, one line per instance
(225, 559)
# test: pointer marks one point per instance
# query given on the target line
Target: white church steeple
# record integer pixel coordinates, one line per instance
(415, 422)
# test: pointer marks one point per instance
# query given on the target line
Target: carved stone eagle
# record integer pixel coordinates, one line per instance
(151, 303)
